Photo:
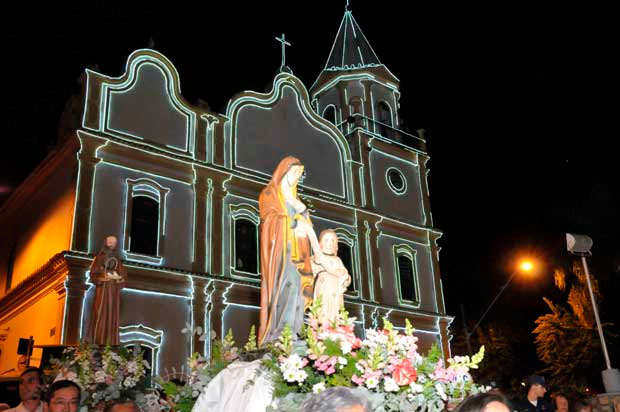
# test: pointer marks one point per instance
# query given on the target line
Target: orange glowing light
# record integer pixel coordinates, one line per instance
(526, 266)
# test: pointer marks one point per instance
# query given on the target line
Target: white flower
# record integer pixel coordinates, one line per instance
(290, 375)
(390, 385)
(294, 361)
(342, 361)
(318, 388)
(440, 391)
(187, 329)
(100, 376)
(132, 367)
(300, 375)
(345, 346)
(69, 375)
(371, 383)
(129, 382)
(359, 367)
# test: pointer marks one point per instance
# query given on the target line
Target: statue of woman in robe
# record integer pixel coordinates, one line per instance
(108, 275)
(286, 234)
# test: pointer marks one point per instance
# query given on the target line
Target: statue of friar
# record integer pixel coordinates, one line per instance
(109, 276)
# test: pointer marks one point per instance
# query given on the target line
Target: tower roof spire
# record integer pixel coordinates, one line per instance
(351, 49)
(351, 53)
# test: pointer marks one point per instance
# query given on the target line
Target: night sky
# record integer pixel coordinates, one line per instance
(516, 99)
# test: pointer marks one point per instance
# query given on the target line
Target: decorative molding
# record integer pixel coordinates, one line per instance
(50, 275)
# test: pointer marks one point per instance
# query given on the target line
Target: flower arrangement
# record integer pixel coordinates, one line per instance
(202, 370)
(386, 363)
(106, 374)
(385, 367)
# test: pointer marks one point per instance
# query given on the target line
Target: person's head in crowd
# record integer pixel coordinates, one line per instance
(561, 402)
(582, 405)
(337, 399)
(30, 381)
(121, 405)
(64, 396)
(484, 402)
(537, 387)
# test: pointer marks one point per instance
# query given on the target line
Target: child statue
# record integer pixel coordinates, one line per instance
(332, 278)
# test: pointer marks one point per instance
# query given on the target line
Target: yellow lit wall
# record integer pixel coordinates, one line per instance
(50, 234)
(42, 320)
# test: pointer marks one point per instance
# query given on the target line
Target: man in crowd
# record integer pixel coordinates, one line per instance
(561, 402)
(64, 396)
(30, 382)
(122, 405)
(484, 402)
(582, 405)
(535, 401)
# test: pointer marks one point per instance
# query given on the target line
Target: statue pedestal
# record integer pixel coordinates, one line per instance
(238, 388)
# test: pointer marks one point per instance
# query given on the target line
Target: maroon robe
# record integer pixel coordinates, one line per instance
(105, 314)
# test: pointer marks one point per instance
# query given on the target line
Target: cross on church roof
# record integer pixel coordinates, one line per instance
(284, 43)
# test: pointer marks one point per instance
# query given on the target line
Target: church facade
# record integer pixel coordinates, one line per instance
(178, 186)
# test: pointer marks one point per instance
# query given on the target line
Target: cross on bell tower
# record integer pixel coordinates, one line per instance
(284, 43)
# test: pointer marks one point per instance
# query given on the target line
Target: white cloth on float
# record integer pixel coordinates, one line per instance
(238, 388)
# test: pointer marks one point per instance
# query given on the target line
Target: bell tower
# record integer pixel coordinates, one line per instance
(355, 90)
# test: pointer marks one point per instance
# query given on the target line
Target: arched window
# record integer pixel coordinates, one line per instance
(144, 232)
(244, 252)
(355, 105)
(329, 113)
(406, 275)
(246, 246)
(145, 221)
(148, 340)
(384, 119)
(357, 111)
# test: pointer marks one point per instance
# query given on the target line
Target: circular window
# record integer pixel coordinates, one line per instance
(396, 181)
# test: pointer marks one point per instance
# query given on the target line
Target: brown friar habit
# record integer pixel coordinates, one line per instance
(274, 222)
(105, 314)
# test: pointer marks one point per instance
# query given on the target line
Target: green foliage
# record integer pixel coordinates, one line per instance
(427, 366)
(408, 328)
(286, 340)
(567, 340)
(332, 348)
(182, 396)
(434, 353)
(339, 380)
(251, 344)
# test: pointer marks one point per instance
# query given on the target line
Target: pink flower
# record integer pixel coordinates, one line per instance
(356, 379)
(404, 373)
(443, 375)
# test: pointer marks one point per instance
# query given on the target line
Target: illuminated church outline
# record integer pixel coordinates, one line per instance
(178, 185)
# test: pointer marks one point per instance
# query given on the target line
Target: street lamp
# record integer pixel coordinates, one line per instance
(524, 266)
(580, 245)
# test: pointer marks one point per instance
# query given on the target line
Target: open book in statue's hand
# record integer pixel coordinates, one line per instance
(113, 276)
